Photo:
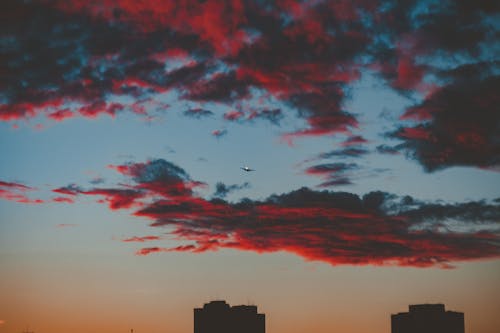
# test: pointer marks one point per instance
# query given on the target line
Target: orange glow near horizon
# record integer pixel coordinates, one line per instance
(140, 294)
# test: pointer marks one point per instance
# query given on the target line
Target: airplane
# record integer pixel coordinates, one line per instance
(247, 169)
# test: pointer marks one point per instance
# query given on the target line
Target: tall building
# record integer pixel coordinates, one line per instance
(427, 318)
(219, 317)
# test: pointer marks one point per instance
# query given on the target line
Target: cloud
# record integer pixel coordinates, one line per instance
(141, 239)
(412, 34)
(97, 180)
(63, 200)
(71, 189)
(338, 228)
(78, 60)
(198, 113)
(117, 198)
(327, 168)
(219, 133)
(222, 190)
(233, 115)
(274, 116)
(153, 178)
(323, 125)
(88, 55)
(457, 126)
(66, 64)
(333, 174)
(346, 152)
(182, 248)
(385, 149)
(220, 87)
(17, 192)
(354, 140)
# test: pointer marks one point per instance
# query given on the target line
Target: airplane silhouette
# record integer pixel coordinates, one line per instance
(247, 169)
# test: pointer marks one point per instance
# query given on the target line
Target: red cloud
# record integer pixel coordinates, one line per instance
(17, 192)
(63, 199)
(61, 114)
(303, 54)
(216, 22)
(354, 140)
(148, 250)
(323, 125)
(333, 227)
(233, 115)
(219, 133)
(141, 239)
(118, 198)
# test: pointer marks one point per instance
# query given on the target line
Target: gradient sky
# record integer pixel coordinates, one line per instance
(373, 128)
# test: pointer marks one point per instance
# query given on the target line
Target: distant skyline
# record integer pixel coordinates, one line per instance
(372, 126)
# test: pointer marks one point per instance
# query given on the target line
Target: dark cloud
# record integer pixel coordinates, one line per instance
(222, 190)
(346, 152)
(53, 58)
(274, 116)
(221, 87)
(330, 167)
(64, 60)
(71, 189)
(411, 32)
(198, 113)
(385, 149)
(333, 174)
(354, 140)
(324, 125)
(159, 176)
(457, 126)
(338, 228)
(87, 53)
(335, 227)
(97, 180)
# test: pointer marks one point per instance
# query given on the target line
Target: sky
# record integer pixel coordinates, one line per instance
(373, 132)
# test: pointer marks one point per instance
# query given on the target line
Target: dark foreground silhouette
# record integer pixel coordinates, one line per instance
(219, 317)
(428, 318)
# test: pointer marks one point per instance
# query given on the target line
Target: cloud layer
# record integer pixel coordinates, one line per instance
(91, 58)
(338, 228)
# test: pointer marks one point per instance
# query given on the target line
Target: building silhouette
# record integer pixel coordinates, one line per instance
(219, 317)
(427, 318)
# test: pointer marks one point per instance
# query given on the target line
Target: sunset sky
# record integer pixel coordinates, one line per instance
(373, 128)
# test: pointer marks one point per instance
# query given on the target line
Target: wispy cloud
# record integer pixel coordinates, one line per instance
(222, 190)
(219, 133)
(198, 113)
(333, 174)
(17, 192)
(141, 239)
(66, 225)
